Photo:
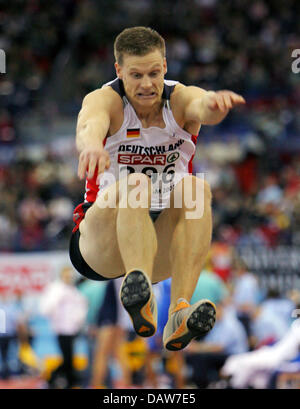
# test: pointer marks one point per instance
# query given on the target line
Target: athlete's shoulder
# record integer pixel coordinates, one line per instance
(188, 91)
(104, 98)
(101, 95)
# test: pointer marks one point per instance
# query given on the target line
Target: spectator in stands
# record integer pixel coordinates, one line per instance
(94, 292)
(280, 305)
(266, 327)
(254, 369)
(66, 309)
(246, 293)
(207, 355)
(113, 325)
(271, 319)
(10, 321)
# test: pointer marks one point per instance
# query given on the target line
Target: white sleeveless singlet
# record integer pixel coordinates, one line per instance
(164, 154)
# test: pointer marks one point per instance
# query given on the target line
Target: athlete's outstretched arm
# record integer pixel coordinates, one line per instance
(208, 107)
(92, 128)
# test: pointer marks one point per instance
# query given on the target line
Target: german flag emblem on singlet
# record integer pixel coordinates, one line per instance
(133, 133)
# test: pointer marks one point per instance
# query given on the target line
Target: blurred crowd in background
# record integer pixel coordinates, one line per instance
(56, 52)
(76, 334)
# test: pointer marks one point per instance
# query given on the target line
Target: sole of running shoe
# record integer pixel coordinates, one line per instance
(135, 295)
(199, 323)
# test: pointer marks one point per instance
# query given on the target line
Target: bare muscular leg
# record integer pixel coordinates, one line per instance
(190, 245)
(183, 243)
(115, 240)
(135, 231)
(177, 247)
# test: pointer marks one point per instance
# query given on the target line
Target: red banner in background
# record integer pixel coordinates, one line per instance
(25, 273)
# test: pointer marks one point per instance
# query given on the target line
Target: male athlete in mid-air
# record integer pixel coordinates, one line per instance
(145, 216)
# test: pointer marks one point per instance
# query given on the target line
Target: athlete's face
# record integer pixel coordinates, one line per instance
(143, 78)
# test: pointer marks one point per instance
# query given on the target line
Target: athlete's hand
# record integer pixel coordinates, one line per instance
(222, 101)
(90, 159)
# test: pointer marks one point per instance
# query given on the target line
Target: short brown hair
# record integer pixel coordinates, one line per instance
(138, 41)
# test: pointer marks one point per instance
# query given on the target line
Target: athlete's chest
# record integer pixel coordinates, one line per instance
(129, 117)
(157, 121)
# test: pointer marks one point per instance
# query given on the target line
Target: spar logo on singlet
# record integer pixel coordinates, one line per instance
(150, 160)
(135, 159)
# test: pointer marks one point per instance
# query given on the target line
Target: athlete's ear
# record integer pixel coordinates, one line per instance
(118, 70)
(165, 66)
